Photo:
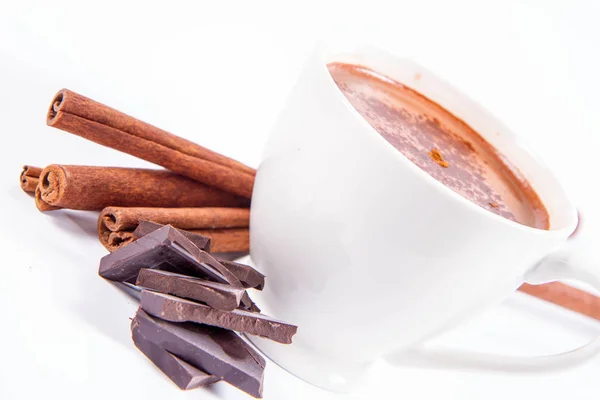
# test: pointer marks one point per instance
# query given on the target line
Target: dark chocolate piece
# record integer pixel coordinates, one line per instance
(146, 227)
(131, 289)
(217, 351)
(247, 304)
(165, 249)
(249, 277)
(174, 309)
(217, 295)
(184, 375)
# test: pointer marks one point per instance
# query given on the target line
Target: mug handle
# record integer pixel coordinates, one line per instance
(567, 263)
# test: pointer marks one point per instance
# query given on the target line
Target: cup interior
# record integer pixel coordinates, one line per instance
(563, 216)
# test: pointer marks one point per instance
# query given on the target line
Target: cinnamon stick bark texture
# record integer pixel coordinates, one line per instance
(40, 203)
(128, 218)
(99, 123)
(93, 188)
(116, 224)
(116, 240)
(222, 240)
(29, 178)
(566, 296)
(227, 240)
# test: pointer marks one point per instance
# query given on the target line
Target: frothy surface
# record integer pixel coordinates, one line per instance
(441, 144)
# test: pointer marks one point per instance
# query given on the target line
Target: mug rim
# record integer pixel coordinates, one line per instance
(508, 133)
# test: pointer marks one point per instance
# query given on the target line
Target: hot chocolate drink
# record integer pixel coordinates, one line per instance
(441, 144)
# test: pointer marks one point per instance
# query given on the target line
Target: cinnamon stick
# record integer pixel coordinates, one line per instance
(226, 240)
(29, 178)
(565, 296)
(116, 240)
(116, 224)
(127, 218)
(222, 240)
(41, 204)
(93, 188)
(99, 123)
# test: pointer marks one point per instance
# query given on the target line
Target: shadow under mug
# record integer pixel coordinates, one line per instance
(369, 255)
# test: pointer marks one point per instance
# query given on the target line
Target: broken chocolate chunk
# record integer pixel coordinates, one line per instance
(247, 304)
(165, 249)
(146, 227)
(217, 351)
(174, 309)
(184, 375)
(249, 277)
(217, 295)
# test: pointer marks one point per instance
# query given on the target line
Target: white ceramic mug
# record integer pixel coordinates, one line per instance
(369, 255)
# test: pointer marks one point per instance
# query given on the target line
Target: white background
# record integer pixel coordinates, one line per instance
(217, 72)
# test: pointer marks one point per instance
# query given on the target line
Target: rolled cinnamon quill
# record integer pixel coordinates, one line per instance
(127, 218)
(113, 241)
(222, 240)
(93, 188)
(40, 203)
(565, 296)
(99, 123)
(29, 178)
(226, 240)
(228, 227)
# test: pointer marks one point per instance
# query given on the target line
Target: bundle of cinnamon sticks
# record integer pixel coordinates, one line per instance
(199, 190)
